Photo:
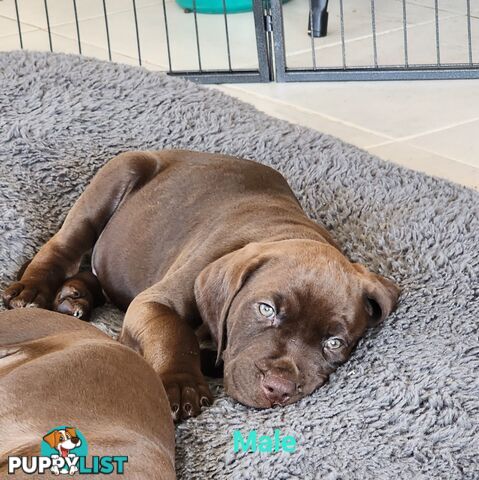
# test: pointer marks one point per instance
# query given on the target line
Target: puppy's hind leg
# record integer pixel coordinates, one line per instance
(60, 257)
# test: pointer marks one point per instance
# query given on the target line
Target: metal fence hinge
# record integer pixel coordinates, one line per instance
(268, 21)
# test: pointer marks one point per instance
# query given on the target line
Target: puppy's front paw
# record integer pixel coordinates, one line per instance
(26, 293)
(187, 393)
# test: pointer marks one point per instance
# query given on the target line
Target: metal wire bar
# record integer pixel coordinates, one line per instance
(404, 26)
(220, 76)
(279, 48)
(365, 74)
(343, 43)
(469, 30)
(107, 30)
(198, 51)
(165, 17)
(137, 32)
(18, 25)
(264, 42)
(77, 25)
(311, 34)
(227, 36)
(48, 26)
(373, 26)
(438, 47)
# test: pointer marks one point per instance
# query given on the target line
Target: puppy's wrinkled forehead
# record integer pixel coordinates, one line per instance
(304, 277)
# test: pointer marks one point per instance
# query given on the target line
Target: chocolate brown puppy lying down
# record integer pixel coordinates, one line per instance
(56, 370)
(180, 238)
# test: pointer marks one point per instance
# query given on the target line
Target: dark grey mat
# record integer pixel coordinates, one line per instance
(406, 405)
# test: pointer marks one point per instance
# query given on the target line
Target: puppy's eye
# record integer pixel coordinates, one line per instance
(333, 343)
(266, 310)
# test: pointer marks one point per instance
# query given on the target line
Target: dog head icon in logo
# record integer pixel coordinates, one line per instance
(64, 450)
(66, 443)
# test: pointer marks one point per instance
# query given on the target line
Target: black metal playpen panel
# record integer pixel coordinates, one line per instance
(301, 40)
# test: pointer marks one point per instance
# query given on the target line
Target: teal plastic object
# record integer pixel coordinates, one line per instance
(216, 6)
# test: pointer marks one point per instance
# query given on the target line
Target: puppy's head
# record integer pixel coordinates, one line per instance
(63, 440)
(286, 314)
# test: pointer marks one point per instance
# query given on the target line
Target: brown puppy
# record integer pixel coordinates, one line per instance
(56, 370)
(182, 237)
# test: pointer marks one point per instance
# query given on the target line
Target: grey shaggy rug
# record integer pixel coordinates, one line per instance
(406, 405)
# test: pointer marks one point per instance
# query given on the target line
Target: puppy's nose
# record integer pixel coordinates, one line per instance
(75, 440)
(277, 390)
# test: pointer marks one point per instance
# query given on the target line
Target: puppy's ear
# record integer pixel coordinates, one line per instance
(53, 438)
(381, 295)
(218, 284)
(71, 431)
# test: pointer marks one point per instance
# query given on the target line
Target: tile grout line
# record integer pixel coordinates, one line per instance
(43, 27)
(31, 25)
(426, 150)
(440, 9)
(365, 37)
(312, 112)
(391, 142)
(92, 45)
(62, 24)
(422, 149)
(446, 157)
(424, 133)
(299, 52)
(456, 161)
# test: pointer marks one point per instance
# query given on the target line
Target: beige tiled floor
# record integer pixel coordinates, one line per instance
(428, 126)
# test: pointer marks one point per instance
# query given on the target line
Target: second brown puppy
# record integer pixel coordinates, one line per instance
(56, 370)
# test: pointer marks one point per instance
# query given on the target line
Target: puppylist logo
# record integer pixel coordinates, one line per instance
(64, 450)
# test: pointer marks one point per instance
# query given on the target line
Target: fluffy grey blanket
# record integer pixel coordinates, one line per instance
(406, 405)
